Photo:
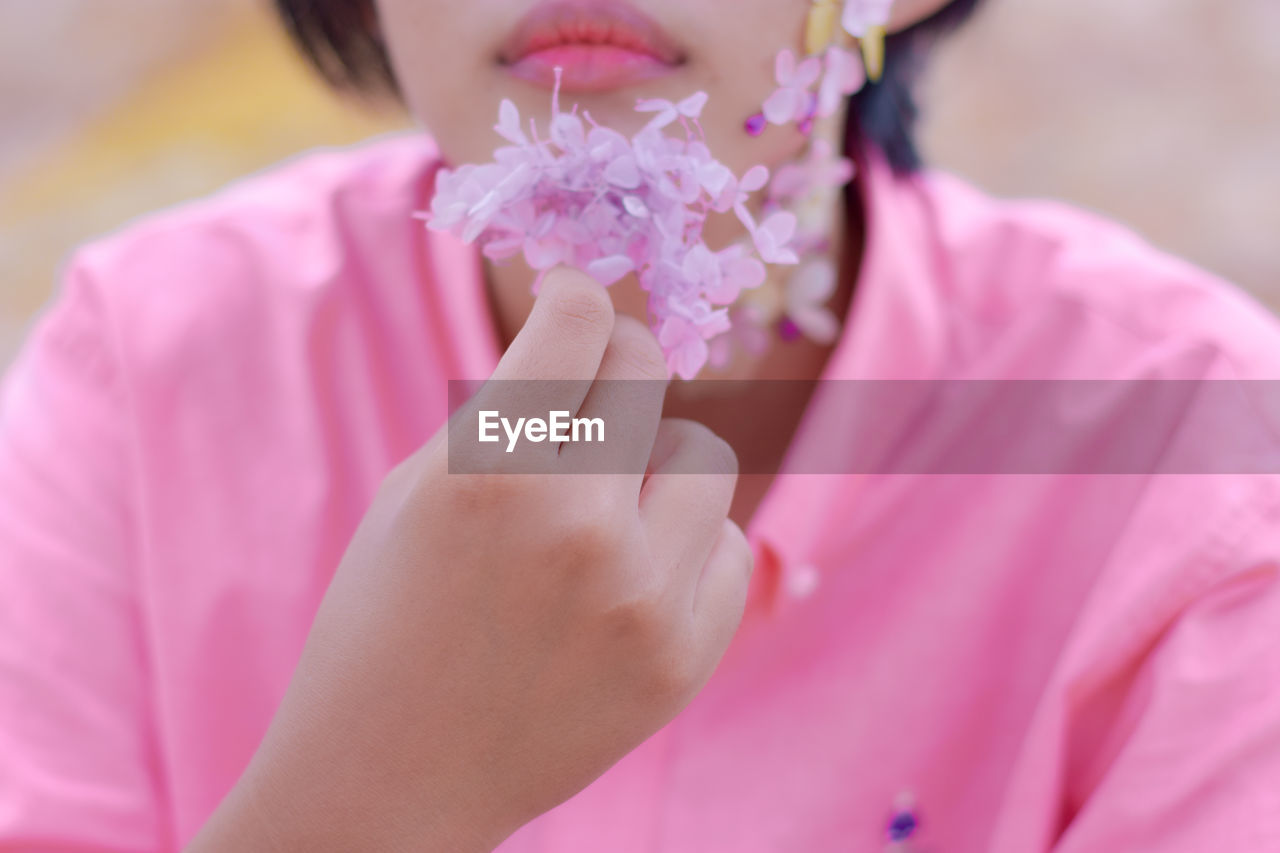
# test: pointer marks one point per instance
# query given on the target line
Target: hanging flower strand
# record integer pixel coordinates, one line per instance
(590, 197)
(809, 93)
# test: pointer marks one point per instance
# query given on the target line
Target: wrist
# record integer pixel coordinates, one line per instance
(329, 810)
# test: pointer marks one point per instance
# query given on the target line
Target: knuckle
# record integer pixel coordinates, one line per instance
(637, 622)
(594, 540)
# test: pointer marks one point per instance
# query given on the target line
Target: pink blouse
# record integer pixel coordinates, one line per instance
(1050, 662)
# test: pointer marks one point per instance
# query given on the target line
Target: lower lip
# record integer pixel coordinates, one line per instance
(589, 67)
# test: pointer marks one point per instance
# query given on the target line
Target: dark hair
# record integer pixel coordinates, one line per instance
(885, 112)
(341, 39)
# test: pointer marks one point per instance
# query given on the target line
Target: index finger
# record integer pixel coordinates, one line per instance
(565, 334)
(549, 368)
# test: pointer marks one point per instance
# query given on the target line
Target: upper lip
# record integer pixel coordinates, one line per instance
(602, 22)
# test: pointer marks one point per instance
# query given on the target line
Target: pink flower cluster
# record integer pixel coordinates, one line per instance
(589, 197)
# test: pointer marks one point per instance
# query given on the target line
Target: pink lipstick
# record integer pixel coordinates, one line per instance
(599, 44)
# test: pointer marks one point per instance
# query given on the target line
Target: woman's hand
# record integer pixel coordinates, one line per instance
(492, 643)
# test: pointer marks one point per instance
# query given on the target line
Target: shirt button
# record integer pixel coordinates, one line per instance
(802, 580)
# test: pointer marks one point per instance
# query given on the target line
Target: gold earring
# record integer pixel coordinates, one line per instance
(824, 17)
(872, 45)
(823, 25)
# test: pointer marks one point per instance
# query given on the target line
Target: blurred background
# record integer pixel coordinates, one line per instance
(1164, 114)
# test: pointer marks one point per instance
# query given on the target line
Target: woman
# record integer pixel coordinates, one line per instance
(248, 607)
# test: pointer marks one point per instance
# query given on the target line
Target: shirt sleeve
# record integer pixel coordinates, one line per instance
(1193, 748)
(77, 766)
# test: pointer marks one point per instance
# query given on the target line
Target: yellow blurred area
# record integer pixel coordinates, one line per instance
(240, 103)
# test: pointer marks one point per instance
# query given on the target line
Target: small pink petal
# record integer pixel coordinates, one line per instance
(688, 358)
(808, 73)
(543, 254)
(715, 177)
(567, 132)
(770, 247)
(746, 273)
(715, 323)
(789, 181)
(685, 347)
(623, 172)
(542, 227)
(635, 207)
(814, 283)
(692, 105)
(781, 226)
(701, 266)
(784, 66)
(651, 105)
(667, 112)
(508, 126)
(755, 178)
(570, 231)
(473, 230)
(818, 324)
(503, 247)
(845, 75)
(605, 143)
(784, 106)
(609, 270)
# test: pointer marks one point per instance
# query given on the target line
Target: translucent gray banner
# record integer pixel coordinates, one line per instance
(1142, 426)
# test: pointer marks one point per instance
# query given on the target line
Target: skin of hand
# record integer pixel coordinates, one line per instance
(493, 642)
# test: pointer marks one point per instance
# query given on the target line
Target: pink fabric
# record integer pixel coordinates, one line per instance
(201, 416)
